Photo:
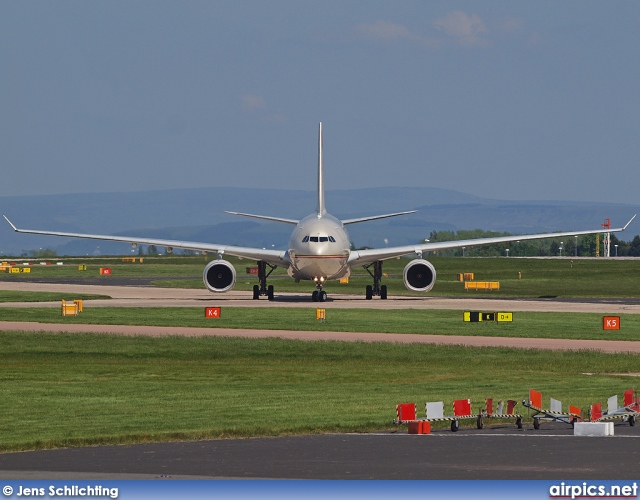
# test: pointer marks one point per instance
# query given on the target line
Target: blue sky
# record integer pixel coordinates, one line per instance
(510, 100)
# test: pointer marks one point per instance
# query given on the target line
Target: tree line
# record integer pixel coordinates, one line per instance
(582, 246)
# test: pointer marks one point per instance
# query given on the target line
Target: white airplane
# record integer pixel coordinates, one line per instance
(319, 250)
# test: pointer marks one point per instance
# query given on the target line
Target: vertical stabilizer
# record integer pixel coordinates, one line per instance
(321, 209)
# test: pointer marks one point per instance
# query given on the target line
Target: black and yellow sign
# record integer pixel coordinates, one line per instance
(477, 316)
(504, 317)
(472, 316)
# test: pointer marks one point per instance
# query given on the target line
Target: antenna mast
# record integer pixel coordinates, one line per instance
(607, 238)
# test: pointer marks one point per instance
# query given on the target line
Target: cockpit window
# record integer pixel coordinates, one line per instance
(318, 239)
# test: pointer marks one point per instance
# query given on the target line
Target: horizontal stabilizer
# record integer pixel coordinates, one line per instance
(375, 217)
(265, 217)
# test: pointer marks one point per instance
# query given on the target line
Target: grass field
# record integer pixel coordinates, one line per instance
(67, 390)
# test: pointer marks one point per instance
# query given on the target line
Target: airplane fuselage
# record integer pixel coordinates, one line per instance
(319, 249)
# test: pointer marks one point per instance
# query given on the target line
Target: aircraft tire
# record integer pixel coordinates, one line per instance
(480, 423)
(455, 425)
(536, 423)
(632, 420)
(256, 292)
(369, 292)
(383, 292)
(270, 292)
(314, 296)
(322, 296)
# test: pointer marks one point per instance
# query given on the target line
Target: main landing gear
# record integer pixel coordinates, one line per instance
(376, 289)
(262, 289)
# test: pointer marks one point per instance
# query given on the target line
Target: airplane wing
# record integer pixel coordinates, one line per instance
(364, 257)
(273, 257)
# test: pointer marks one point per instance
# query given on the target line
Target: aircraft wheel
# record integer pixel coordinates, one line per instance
(314, 296)
(536, 423)
(383, 292)
(480, 423)
(322, 296)
(369, 293)
(632, 420)
(256, 292)
(270, 292)
(519, 423)
(455, 425)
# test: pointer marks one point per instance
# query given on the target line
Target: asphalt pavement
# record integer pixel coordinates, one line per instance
(495, 452)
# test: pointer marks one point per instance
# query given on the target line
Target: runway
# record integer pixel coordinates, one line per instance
(150, 296)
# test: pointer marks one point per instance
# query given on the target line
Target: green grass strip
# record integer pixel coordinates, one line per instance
(69, 390)
(420, 321)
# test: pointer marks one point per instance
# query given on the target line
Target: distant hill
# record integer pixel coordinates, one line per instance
(198, 215)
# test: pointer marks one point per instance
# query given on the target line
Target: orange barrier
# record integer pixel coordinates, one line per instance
(555, 412)
(406, 413)
(482, 285)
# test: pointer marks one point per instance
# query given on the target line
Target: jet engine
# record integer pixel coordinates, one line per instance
(219, 276)
(419, 275)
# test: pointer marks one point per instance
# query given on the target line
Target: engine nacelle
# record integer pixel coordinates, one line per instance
(419, 275)
(219, 276)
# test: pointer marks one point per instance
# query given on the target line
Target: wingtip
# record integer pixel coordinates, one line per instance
(630, 221)
(10, 223)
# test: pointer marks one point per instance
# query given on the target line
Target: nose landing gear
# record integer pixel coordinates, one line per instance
(319, 295)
